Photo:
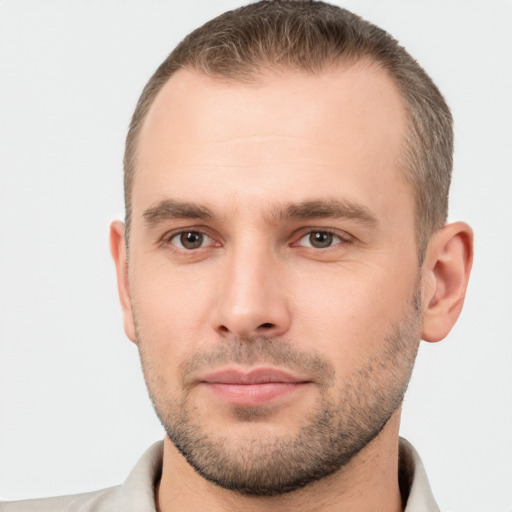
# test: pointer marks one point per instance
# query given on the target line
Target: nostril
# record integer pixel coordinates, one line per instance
(266, 325)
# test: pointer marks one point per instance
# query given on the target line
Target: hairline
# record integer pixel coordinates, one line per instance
(263, 70)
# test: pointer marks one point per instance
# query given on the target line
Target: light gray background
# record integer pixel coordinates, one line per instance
(74, 413)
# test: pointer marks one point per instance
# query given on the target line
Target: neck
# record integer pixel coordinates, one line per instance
(367, 483)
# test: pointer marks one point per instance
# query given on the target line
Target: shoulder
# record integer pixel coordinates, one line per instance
(135, 495)
(96, 501)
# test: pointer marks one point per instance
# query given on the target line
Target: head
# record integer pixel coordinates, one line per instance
(309, 37)
(285, 167)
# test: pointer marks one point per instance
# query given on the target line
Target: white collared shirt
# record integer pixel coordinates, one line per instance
(137, 493)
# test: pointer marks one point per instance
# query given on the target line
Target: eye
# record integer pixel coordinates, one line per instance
(190, 240)
(319, 239)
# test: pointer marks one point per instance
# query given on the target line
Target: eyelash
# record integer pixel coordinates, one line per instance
(342, 237)
(167, 239)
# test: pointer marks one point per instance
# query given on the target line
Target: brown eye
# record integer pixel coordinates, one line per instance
(189, 240)
(320, 239)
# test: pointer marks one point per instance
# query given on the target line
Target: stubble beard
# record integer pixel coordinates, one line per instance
(342, 423)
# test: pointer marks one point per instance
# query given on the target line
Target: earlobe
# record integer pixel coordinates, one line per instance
(445, 270)
(118, 251)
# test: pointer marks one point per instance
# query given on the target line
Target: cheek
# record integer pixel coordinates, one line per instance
(347, 312)
(171, 312)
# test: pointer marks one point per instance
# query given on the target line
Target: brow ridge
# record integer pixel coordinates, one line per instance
(174, 209)
(326, 209)
(314, 209)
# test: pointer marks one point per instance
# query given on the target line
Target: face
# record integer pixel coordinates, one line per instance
(273, 271)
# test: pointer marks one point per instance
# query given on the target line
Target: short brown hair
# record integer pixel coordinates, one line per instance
(308, 36)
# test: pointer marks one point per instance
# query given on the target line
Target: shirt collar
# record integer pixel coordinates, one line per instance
(413, 480)
(138, 491)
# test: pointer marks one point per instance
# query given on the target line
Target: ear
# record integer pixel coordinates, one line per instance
(118, 251)
(445, 270)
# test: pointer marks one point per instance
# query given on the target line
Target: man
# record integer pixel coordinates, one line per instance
(285, 249)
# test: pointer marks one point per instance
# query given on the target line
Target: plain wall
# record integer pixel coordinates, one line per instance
(74, 412)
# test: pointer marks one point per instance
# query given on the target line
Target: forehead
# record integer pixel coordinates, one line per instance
(288, 127)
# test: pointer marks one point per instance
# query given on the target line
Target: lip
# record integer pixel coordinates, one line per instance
(259, 386)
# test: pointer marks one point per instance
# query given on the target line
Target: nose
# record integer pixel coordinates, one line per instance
(252, 299)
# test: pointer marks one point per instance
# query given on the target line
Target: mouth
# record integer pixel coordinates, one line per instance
(256, 387)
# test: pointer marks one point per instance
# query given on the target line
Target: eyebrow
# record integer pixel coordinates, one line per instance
(334, 209)
(169, 209)
(172, 209)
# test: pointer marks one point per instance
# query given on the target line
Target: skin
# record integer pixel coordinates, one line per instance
(242, 152)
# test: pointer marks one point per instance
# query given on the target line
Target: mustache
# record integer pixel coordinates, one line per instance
(258, 350)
